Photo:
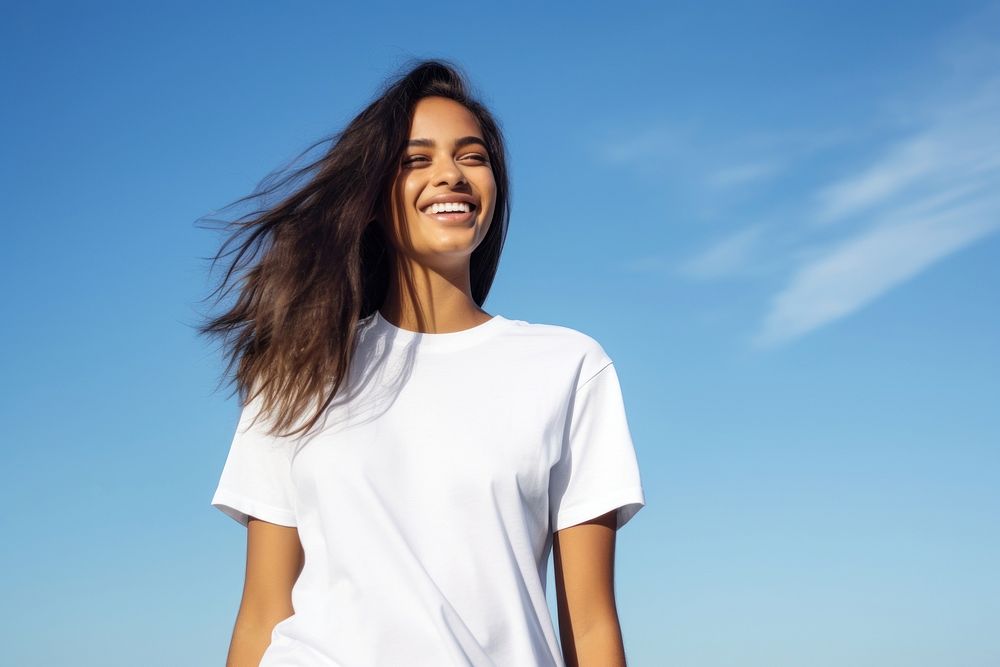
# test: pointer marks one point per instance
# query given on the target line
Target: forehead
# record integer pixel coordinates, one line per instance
(442, 118)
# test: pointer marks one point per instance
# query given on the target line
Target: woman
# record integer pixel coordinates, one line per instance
(439, 453)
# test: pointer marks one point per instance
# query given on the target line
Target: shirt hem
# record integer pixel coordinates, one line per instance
(240, 508)
(628, 501)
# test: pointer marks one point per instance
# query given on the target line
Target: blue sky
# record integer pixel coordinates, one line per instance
(780, 220)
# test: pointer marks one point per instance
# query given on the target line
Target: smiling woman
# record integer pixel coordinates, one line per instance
(449, 207)
(446, 148)
(404, 461)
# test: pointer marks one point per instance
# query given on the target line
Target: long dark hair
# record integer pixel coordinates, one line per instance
(323, 260)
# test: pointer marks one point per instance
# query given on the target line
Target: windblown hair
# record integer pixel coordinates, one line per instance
(322, 259)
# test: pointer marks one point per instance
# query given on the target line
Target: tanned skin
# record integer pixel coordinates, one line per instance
(274, 562)
(584, 565)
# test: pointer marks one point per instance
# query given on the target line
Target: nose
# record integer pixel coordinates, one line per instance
(449, 173)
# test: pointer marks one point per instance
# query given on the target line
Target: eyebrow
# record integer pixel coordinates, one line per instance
(463, 141)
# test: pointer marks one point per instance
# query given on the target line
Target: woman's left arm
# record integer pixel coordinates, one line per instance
(584, 566)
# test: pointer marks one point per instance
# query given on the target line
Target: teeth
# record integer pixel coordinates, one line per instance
(448, 207)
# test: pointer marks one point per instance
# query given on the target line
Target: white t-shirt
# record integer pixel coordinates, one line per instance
(427, 498)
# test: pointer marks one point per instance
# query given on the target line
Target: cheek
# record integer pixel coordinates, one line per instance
(409, 192)
(485, 184)
(489, 186)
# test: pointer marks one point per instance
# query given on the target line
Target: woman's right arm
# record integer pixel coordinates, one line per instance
(274, 562)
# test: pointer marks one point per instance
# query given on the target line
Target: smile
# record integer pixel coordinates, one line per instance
(451, 216)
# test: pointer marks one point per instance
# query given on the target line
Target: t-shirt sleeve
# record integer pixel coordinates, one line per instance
(256, 478)
(598, 470)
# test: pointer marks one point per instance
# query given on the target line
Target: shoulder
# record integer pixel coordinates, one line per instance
(563, 347)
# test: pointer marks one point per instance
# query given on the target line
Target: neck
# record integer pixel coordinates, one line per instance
(431, 300)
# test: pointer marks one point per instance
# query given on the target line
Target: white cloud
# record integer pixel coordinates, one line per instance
(926, 197)
(742, 174)
(904, 164)
(656, 141)
(651, 264)
(928, 187)
(959, 142)
(863, 268)
(726, 257)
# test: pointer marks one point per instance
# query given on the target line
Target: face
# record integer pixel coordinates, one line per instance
(442, 164)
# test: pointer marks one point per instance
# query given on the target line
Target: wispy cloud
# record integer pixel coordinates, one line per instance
(908, 189)
(902, 166)
(959, 145)
(655, 141)
(930, 189)
(648, 264)
(925, 198)
(726, 257)
(866, 266)
(742, 174)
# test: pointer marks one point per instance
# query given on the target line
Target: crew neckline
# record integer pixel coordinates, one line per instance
(451, 340)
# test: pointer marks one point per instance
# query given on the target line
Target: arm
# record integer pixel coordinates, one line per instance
(584, 572)
(274, 561)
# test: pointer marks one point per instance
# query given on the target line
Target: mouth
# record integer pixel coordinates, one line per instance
(458, 217)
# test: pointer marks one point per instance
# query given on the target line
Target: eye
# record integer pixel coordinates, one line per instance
(474, 156)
